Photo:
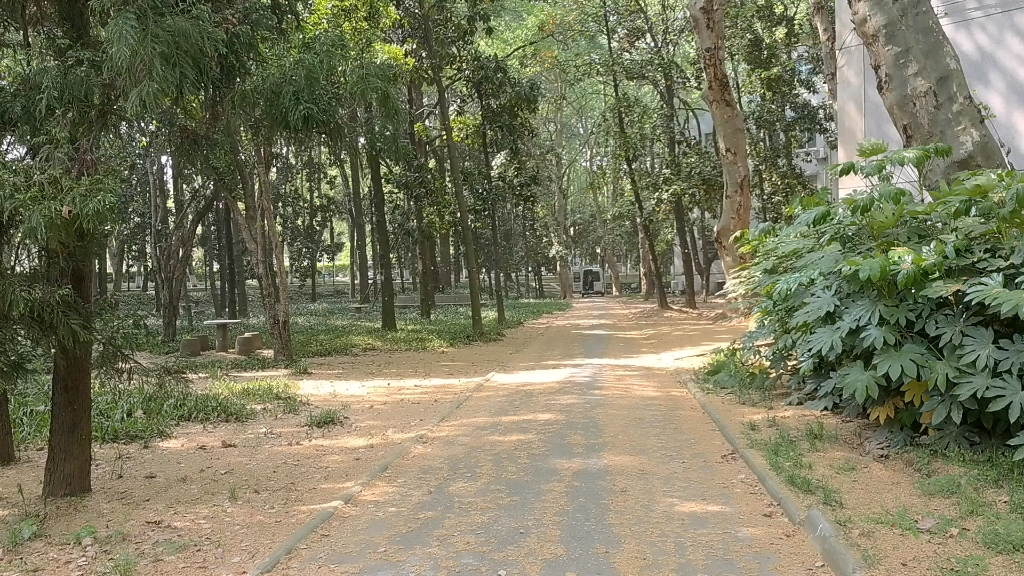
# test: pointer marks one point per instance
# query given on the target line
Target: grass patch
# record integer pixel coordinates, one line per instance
(974, 565)
(903, 519)
(785, 456)
(1002, 535)
(818, 436)
(123, 565)
(151, 407)
(727, 370)
(22, 531)
(329, 328)
(325, 418)
(84, 532)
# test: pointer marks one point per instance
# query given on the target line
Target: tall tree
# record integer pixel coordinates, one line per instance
(731, 134)
(922, 84)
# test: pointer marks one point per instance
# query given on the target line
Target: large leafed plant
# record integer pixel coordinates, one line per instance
(904, 305)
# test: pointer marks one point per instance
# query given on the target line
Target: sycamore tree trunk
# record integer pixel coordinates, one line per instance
(922, 84)
(824, 21)
(468, 243)
(387, 286)
(562, 252)
(646, 270)
(730, 132)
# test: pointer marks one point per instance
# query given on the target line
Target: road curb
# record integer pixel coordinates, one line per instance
(823, 533)
(328, 512)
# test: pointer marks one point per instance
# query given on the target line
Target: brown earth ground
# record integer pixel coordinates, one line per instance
(873, 488)
(217, 500)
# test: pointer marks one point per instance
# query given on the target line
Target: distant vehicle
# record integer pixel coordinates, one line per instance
(588, 281)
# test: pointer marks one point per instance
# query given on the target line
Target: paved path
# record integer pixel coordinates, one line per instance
(583, 457)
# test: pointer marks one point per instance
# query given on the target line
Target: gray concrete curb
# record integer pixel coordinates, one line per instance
(823, 533)
(324, 515)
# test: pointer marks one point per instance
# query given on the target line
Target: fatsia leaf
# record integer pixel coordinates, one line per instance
(941, 373)
(896, 362)
(979, 347)
(1007, 393)
(973, 385)
(857, 381)
(826, 340)
(1018, 440)
(885, 411)
(878, 337)
(916, 392)
(817, 305)
(1010, 354)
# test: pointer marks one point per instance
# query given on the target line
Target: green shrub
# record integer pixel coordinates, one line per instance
(730, 369)
(325, 418)
(151, 406)
(909, 311)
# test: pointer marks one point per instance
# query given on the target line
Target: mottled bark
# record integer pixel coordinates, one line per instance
(825, 22)
(922, 84)
(731, 134)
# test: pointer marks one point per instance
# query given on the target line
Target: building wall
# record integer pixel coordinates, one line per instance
(988, 37)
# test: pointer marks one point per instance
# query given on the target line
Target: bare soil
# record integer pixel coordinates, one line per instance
(218, 499)
(874, 488)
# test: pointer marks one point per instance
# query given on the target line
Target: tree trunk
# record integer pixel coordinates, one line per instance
(646, 269)
(634, 184)
(499, 300)
(922, 85)
(387, 288)
(682, 224)
(68, 470)
(117, 259)
(238, 263)
(359, 224)
(824, 21)
(8, 454)
(613, 268)
(731, 134)
(426, 259)
(468, 243)
(229, 260)
(446, 259)
(258, 225)
(222, 265)
(539, 275)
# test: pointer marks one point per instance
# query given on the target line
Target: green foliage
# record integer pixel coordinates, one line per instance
(785, 456)
(974, 565)
(905, 310)
(728, 369)
(1002, 535)
(22, 531)
(149, 408)
(122, 565)
(325, 418)
(87, 531)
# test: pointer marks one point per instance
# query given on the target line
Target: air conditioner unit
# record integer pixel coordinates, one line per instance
(819, 153)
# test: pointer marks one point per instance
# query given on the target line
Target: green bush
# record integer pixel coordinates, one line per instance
(731, 369)
(908, 310)
(150, 407)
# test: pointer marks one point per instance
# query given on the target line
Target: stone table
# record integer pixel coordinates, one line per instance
(222, 332)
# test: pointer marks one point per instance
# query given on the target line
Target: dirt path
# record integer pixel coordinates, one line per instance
(582, 456)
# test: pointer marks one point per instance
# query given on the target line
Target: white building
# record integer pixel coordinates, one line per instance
(988, 38)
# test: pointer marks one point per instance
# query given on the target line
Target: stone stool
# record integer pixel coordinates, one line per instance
(244, 345)
(257, 340)
(190, 347)
(204, 341)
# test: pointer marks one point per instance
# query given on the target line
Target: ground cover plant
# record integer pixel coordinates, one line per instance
(903, 306)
